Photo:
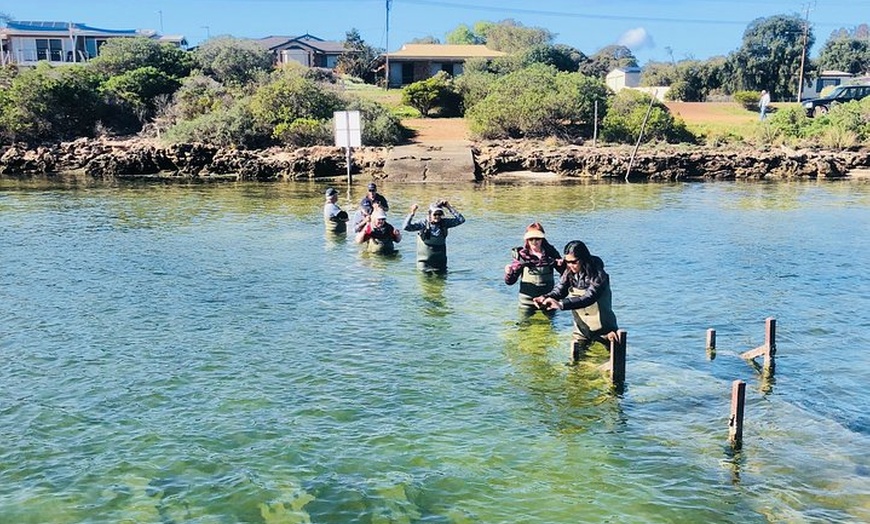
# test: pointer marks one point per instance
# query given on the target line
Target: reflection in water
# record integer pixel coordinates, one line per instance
(573, 398)
(432, 290)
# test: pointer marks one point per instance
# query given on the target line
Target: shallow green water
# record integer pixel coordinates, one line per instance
(208, 354)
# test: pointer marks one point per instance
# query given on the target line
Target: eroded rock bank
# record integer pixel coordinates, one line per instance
(107, 159)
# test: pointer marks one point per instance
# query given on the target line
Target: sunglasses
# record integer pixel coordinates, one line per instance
(575, 261)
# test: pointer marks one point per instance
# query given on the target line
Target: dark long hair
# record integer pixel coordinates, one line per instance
(579, 250)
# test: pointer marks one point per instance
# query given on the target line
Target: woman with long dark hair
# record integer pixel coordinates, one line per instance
(584, 290)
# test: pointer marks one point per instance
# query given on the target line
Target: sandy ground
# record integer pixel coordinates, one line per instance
(431, 130)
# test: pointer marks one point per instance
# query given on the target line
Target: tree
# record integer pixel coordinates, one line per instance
(770, 56)
(607, 59)
(624, 120)
(120, 55)
(511, 36)
(428, 39)
(359, 58)
(289, 96)
(848, 54)
(426, 94)
(560, 56)
(233, 61)
(463, 35)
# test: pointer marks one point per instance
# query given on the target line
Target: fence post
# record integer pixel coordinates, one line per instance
(711, 343)
(617, 358)
(735, 423)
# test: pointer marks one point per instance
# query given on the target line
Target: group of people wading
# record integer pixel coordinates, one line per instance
(583, 285)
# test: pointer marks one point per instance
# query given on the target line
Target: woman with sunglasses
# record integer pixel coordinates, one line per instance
(584, 290)
(534, 265)
(432, 235)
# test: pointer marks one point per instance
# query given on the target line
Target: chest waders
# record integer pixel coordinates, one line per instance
(381, 243)
(432, 251)
(592, 321)
(336, 227)
(534, 282)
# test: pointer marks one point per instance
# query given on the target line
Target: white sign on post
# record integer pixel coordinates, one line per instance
(348, 128)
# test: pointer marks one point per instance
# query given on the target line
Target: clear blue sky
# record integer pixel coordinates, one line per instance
(653, 29)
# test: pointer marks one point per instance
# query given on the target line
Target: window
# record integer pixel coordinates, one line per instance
(49, 49)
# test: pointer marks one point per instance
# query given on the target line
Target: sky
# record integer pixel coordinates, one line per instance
(655, 30)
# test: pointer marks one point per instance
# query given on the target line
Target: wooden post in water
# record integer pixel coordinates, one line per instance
(768, 349)
(617, 358)
(711, 343)
(735, 422)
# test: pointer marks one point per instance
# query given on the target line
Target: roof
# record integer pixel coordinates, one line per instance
(63, 27)
(445, 51)
(274, 42)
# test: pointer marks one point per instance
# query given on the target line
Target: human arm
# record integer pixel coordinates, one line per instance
(595, 283)
(553, 299)
(513, 270)
(410, 224)
(457, 219)
(364, 234)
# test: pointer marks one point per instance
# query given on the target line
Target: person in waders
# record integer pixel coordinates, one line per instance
(380, 235)
(432, 235)
(584, 290)
(333, 216)
(535, 265)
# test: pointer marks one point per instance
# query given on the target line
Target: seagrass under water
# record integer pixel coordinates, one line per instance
(208, 354)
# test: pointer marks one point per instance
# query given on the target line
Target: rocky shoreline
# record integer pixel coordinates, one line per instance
(134, 158)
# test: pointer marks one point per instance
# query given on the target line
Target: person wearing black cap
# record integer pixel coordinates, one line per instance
(372, 199)
(333, 216)
(432, 235)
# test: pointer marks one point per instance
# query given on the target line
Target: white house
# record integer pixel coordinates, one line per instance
(623, 77)
(813, 88)
(26, 43)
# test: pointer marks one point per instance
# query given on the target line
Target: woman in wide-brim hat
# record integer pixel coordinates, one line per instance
(535, 264)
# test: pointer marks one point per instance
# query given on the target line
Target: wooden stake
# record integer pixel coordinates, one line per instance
(735, 423)
(617, 358)
(711, 344)
(768, 349)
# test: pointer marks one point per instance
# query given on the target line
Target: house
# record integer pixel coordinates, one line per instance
(813, 88)
(26, 43)
(308, 50)
(415, 62)
(623, 77)
(629, 78)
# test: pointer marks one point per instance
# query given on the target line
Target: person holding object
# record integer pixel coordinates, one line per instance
(584, 290)
(432, 235)
(533, 265)
(380, 235)
(333, 216)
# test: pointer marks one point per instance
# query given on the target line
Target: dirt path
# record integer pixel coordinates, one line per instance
(431, 130)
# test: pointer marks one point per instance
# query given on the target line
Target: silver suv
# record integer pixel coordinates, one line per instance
(840, 94)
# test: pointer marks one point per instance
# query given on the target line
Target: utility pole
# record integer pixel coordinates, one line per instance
(800, 86)
(387, 54)
(161, 21)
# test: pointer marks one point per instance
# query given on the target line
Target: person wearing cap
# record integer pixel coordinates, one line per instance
(373, 199)
(333, 216)
(432, 235)
(584, 290)
(534, 265)
(380, 235)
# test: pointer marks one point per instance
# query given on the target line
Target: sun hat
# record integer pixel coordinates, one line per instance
(379, 214)
(436, 208)
(331, 191)
(534, 231)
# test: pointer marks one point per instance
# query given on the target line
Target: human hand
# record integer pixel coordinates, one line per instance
(613, 336)
(414, 209)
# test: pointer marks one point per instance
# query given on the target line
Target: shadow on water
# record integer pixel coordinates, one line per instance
(432, 287)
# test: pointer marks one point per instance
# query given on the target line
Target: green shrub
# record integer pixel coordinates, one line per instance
(232, 127)
(435, 91)
(626, 115)
(537, 102)
(304, 132)
(140, 88)
(380, 127)
(791, 121)
(748, 99)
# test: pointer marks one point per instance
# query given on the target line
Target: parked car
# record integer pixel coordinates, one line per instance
(840, 94)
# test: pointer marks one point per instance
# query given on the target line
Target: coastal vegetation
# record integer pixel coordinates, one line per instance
(227, 92)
